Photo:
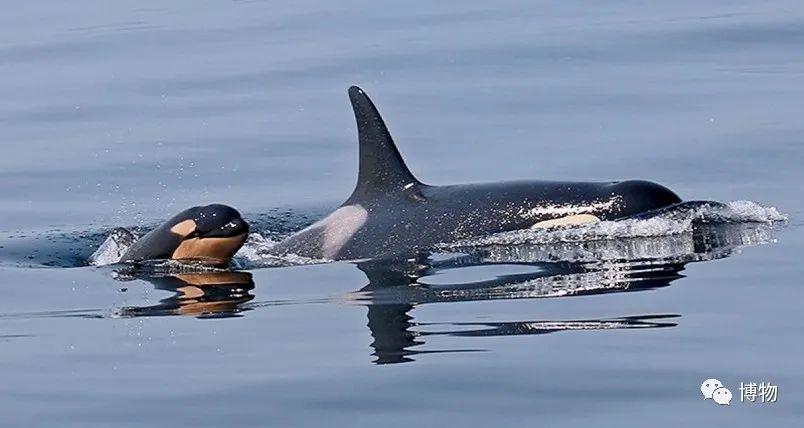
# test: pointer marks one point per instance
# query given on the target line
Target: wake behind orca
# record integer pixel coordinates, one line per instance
(391, 213)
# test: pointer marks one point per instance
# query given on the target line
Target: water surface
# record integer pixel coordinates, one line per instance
(124, 114)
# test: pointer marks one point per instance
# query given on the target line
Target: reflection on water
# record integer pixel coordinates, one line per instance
(569, 269)
(395, 332)
(392, 295)
(395, 287)
(202, 294)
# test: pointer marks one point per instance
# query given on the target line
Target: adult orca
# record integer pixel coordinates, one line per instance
(391, 213)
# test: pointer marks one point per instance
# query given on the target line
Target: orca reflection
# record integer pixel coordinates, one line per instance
(395, 287)
(199, 294)
(571, 269)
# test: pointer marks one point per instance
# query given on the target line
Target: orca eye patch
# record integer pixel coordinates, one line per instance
(185, 228)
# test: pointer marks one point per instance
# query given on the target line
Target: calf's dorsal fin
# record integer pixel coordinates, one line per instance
(381, 170)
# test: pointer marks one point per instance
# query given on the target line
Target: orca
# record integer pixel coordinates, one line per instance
(391, 213)
(208, 235)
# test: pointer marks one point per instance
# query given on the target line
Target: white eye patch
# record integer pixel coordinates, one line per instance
(184, 228)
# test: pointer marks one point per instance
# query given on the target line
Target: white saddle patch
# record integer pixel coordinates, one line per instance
(570, 220)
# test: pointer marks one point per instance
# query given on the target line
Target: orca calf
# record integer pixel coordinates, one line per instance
(208, 235)
(391, 213)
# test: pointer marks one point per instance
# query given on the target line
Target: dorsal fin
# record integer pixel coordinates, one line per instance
(381, 170)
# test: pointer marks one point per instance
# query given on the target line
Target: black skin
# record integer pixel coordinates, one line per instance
(212, 221)
(406, 215)
(449, 213)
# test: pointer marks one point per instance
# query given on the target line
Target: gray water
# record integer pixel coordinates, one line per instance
(124, 114)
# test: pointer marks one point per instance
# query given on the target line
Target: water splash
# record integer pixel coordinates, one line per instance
(113, 248)
(256, 253)
(676, 220)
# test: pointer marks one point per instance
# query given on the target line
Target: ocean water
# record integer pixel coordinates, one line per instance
(122, 114)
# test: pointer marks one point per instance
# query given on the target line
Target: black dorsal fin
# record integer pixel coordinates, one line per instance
(382, 170)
